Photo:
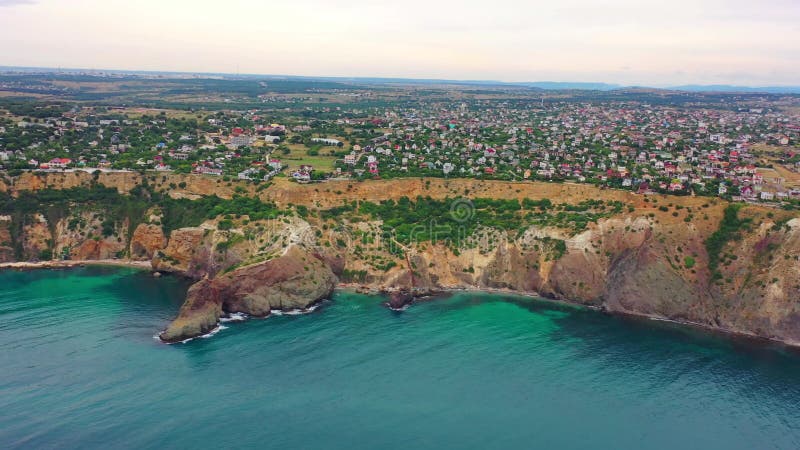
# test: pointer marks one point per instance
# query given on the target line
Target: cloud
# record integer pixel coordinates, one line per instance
(16, 2)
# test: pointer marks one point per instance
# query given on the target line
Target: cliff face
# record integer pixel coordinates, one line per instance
(176, 185)
(636, 266)
(36, 238)
(147, 239)
(6, 249)
(646, 260)
(187, 252)
(82, 237)
(635, 263)
(30, 181)
(296, 279)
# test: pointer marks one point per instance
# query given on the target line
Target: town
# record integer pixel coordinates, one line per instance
(739, 149)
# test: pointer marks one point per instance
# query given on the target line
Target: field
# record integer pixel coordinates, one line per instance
(770, 155)
(299, 155)
(135, 113)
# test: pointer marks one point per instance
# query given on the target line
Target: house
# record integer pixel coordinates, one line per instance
(248, 174)
(269, 139)
(350, 159)
(275, 164)
(301, 177)
(373, 168)
(59, 163)
(205, 170)
(240, 140)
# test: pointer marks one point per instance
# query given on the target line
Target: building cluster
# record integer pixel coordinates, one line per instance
(749, 152)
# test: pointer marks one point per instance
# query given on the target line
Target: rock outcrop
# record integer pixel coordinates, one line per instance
(36, 238)
(82, 237)
(185, 253)
(146, 241)
(295, 280)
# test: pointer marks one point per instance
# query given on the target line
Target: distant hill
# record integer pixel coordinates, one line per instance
(544, 85)
(566, 85)
(730, 88)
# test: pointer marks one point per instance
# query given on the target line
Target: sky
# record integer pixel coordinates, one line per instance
(630, 42)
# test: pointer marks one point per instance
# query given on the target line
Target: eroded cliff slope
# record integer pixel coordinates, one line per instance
(689, 259)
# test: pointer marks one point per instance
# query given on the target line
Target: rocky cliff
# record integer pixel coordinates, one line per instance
(294, 280)
(6, 248)
(650, 257)
(147, 239)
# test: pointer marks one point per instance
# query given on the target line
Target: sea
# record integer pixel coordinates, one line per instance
(80, 368)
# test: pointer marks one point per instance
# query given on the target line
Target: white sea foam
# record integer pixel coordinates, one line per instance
(294, 312)
(216, 330)
(211, 333)
(234, 317)
(660, 319)
(241, 317)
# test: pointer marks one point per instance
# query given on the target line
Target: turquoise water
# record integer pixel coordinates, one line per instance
(79, 368)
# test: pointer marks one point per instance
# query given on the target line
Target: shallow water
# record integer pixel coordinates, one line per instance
(79, 368)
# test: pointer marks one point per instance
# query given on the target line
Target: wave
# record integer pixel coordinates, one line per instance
(661, 319)
(241, 317)
(294, 312)
(234, 317)
(211, 333)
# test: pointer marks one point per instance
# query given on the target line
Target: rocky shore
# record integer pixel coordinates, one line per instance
(144, 265)
(650, 257)
(295, 280)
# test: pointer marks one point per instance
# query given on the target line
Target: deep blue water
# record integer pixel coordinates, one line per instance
(79, 368)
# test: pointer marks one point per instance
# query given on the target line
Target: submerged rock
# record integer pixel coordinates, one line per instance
(295, 280)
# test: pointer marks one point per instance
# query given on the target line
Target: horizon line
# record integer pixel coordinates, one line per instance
(609, 85)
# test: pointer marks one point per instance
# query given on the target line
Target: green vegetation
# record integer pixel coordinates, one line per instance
(180, 213)
(432, 220)
(354, 276)
(453, 221)
(729, 230)
(115, 209)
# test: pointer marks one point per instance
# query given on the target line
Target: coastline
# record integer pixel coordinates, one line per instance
(365, 289)
(727, 332)
(144, 265)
